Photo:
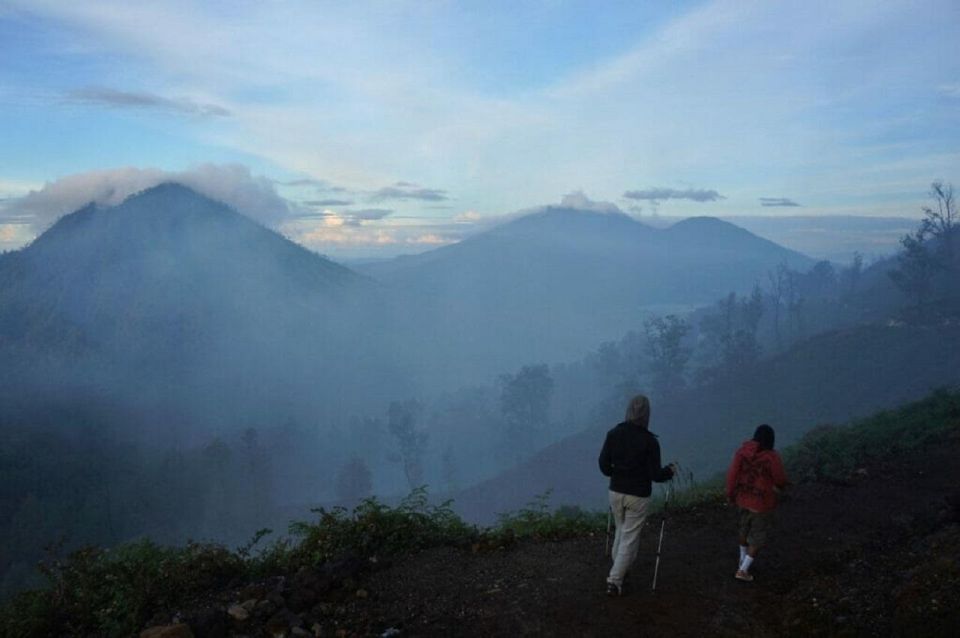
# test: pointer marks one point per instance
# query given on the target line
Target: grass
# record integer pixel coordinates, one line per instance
(834, 453)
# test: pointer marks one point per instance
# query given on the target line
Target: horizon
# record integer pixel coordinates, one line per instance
(412, 126)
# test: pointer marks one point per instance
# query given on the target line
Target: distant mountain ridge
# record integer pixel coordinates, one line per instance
(550, 285)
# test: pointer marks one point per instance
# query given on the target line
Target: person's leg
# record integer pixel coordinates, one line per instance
(759, 526)
(616, 506)
(635, 511)
(743, 530)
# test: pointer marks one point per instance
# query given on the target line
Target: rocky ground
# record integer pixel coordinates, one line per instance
(875, 555)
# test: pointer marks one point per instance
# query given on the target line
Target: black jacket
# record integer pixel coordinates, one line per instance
(631, 458)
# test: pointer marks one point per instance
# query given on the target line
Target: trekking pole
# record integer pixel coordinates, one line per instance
(606, 547)
(656, 566)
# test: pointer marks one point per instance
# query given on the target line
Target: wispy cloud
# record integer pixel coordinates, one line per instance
(231, 184)
(777, 201)
(664, 194)
(324, 203)
(408, 191)
(113, 98)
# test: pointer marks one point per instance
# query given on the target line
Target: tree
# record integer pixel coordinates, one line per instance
(915, 267)
(354, 481)
(525, 405)
(778, 287)
(940, 221)
(731, 332)
(402, 419)
(667, 353)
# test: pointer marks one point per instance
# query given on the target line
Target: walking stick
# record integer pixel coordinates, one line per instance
(606, 547)
(656, 566)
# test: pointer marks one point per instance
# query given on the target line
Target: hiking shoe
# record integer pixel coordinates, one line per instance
(614, 590)
(744, 576)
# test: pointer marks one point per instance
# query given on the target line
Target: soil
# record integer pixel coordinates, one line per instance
(878, 554)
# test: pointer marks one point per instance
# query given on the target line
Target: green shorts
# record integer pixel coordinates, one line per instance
(755, 527)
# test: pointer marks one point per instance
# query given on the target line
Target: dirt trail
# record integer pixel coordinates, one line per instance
(877, 555)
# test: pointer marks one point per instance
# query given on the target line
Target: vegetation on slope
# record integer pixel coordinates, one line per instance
(115, 592)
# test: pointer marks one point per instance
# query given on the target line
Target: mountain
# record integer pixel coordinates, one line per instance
(830, 378)
(550, 285)
(174, 302)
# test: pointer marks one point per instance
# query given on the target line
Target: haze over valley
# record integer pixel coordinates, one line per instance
(284, 280)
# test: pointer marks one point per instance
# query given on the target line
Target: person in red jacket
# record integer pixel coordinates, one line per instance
(753, 480)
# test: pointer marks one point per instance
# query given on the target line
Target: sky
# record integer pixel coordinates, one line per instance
(377, 128)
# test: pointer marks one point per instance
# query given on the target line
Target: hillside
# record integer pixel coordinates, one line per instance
(550, 285)
(867, 542)
(208, 311)
(826, 379)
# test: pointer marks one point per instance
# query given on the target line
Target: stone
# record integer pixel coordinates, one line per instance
(168, 631)
(238, 613)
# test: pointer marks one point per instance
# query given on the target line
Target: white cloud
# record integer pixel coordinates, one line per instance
(231, 184)
(580, 201)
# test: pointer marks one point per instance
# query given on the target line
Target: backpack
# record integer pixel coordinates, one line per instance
(751, 474)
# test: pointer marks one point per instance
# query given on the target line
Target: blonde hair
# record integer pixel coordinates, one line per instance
(638, 411)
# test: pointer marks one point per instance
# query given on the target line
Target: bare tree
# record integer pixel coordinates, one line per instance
(354, 480)
(402, 422)
(667, 353)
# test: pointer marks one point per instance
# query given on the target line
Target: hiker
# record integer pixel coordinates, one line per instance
(631, 458)
(753, 480)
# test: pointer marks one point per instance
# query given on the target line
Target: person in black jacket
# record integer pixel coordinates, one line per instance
(631, 458)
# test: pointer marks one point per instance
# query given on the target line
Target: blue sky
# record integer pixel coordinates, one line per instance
(433, 119)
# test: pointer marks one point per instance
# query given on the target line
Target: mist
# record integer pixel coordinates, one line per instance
(189, 372)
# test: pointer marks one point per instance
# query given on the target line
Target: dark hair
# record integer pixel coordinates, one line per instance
(764, 436)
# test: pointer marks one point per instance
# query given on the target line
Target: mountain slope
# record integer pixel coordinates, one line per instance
(172, 298)
(552, 284)
(827, 379)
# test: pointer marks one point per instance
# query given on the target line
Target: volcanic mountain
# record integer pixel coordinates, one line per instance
(552, 284)
(176, 302)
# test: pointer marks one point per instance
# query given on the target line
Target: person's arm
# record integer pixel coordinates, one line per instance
(777, 472)
(657, 474)
(732, 477)
(606, 465)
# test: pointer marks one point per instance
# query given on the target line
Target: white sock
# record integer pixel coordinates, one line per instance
(745, 563)
(743, 552)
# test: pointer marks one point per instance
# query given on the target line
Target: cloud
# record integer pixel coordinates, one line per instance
(407, 191)
(371, 214)
(113, 98)
(777, 201)
(949, 90)
(231, 184)
(322, 203)
(663, 194)
(468, 217)
(580, 201)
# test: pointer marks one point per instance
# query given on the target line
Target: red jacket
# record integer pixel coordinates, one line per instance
(753, 475)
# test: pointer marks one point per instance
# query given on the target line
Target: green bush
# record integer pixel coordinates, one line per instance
(113, 592)
(537, 521)
(832, 453)
(376, 529)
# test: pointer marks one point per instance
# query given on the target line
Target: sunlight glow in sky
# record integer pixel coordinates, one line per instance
(402, 125)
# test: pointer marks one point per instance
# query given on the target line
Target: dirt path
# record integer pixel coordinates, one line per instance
(861, 558)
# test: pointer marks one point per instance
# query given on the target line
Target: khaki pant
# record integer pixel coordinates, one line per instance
(629, 512)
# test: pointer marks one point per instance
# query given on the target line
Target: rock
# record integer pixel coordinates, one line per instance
(209, 623)
(317, 630)
(390, 632)
(249, 605)
(253, 591)
(301, 598)
(362, 593)
(300, 632)
(168, 631)
(275, 598)
(238, 613)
